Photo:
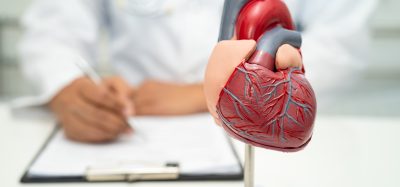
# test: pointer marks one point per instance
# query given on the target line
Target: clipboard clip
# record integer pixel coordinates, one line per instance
(169, 171)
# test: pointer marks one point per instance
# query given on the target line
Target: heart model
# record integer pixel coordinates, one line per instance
(260, 104)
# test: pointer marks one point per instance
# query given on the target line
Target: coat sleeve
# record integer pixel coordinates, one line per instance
(56, 32)
(335, 41)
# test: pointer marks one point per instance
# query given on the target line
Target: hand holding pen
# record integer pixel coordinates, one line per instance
(94, 110)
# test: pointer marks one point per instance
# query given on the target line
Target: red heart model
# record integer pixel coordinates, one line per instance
(259, 104)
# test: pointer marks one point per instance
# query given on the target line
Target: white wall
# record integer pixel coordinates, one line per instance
(385, 59)
(13, 8)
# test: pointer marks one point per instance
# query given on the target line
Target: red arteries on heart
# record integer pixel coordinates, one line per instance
(260, 105)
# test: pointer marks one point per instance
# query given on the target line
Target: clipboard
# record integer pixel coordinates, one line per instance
(157, 172)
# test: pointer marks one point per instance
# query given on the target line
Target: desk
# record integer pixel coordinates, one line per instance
(345, 151)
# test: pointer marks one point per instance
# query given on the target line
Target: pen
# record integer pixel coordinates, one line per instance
(88, 70)
(84, 66)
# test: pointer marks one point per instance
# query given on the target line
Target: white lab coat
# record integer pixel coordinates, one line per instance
(171, 40)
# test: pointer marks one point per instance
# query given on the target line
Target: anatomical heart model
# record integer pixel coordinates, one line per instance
(255, 101)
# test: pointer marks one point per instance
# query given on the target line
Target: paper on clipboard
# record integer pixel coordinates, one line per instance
(199, 146)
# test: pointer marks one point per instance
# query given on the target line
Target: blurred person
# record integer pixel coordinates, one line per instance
(159, 50)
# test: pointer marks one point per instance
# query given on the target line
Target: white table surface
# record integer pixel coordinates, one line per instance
(345, 151)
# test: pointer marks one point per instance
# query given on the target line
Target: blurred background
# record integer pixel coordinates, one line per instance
(378, 94)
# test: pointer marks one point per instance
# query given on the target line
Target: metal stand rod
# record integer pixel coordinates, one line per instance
(249, 166)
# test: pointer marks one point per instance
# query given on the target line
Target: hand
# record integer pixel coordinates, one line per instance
(89, 112)
(161, 98)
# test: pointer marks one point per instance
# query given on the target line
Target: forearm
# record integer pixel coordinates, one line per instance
(199, 101)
